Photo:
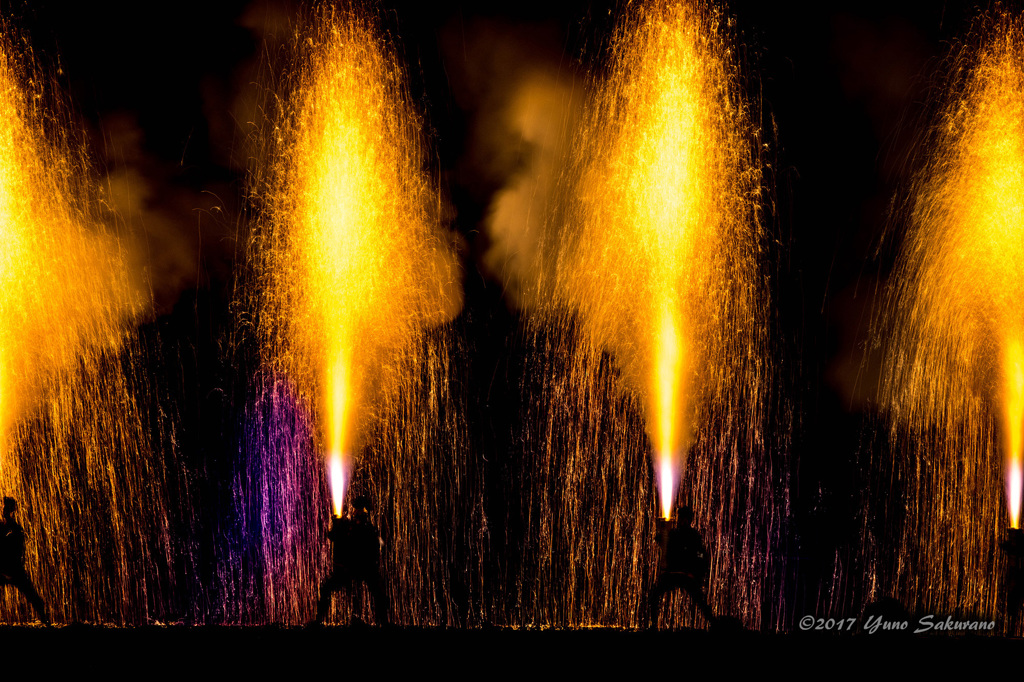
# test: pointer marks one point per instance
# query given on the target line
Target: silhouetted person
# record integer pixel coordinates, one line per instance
(356, 559)
(683, 565)
(1013, 546)
(887, 611)
(12, 559)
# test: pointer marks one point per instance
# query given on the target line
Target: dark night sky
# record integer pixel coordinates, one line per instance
(162, 94)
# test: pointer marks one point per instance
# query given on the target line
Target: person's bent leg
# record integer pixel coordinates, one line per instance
(697, 595)
(323, 604)
(381, 603)
(24, 584)
(657, 593)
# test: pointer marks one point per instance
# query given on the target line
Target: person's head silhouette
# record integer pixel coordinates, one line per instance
(361, 507)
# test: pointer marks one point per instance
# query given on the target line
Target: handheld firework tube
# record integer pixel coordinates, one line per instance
(662, 529)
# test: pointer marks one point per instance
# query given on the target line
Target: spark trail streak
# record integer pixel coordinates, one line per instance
(955, 380)
(652, 257)
(354, 271)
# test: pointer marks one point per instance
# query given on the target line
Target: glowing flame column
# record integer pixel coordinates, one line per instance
(353, 262)
(1013, 425)
(338, 409)
(664, 269)
(672, 202)
(671, 395)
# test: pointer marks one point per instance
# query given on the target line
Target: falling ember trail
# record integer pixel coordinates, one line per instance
(954, 386)
(354, 277)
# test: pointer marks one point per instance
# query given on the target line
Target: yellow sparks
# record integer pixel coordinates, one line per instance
(956, 327)
(664, 267)
(62, 292)
(357, 267)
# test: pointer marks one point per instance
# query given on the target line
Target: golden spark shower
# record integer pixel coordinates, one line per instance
(52, 267)
(75, 433)
(954, 384)
(355, 279)
(652, 257)
(362, 268)
(664, 271)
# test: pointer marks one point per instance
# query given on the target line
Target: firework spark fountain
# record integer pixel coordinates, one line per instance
(651, 258)
(355, 275)
(955, 381)
(75, 439)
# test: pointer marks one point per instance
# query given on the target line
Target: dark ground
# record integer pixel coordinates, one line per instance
(161, 651)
